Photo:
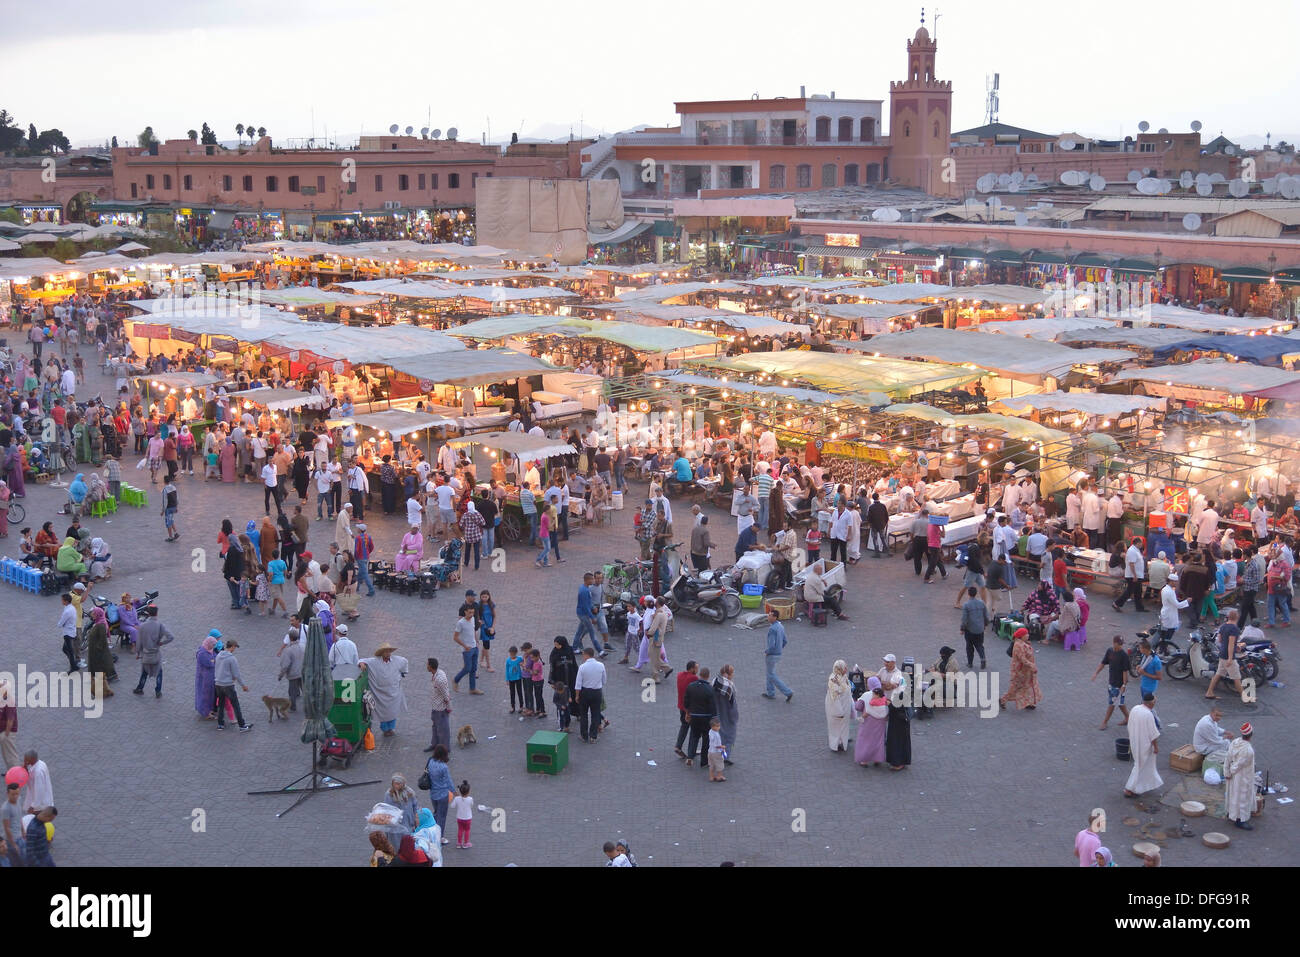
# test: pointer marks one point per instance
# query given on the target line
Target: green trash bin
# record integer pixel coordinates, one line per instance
(348, 712)
(547, 752)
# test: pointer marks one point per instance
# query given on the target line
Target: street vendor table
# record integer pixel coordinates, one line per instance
(514, 525)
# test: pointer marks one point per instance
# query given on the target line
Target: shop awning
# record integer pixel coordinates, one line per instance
(631, 335)
(1140, 266)
(1212, 375)
(527, 448)
(469, 368)
(1266, 350)
(846, 374)
(179, 380)
(1024, 357)
(841, 252)
(630, 229)
(1007, 425)
(1041, 257)
(1245, 274)
(1006, 257)
(1089, 403)
(1090, 259)
(279, 400)
(400, 422)
(965, 252)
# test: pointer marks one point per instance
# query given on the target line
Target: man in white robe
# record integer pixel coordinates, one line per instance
(1240, 774)
(1142, 734)
(386, 671)
(39, 792)
(1211, 740)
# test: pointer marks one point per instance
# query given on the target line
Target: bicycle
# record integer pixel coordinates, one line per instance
(17, 514)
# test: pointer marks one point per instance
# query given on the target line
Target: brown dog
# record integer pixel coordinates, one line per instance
(465, 737)
(275, 707)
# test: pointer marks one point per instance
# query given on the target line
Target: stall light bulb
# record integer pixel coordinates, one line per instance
(1146, 484)
(1234, 483)
(984, 463)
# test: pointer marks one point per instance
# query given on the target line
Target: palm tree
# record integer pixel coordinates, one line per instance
(239, 131)
(261, 131)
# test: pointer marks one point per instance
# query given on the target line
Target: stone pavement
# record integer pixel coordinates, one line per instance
(134, 785)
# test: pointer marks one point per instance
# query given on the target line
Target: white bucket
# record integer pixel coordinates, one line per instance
(616, 499)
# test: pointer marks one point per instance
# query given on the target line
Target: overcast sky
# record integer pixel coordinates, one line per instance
(1098, 67)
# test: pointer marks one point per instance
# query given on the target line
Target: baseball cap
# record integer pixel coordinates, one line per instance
(890, 658)
(340, 629)
(79, 586)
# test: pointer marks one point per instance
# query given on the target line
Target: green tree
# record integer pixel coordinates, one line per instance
(146, 138)
(32, 136)
(114, 142)
(207, 137)
(10, 215)
(11, 134)
(239, 131)
(261, 131)
(53, 141)
(193, 135)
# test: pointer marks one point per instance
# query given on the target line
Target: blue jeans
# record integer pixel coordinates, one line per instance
(144, 680)
(1277, 604)
(325, 499)
(363, 576)
(586, 626)
(1011, 573)
(544, 556)
(620, 480)
(470, 668)
(489, 541)
(555, 543)
(762, 512)
(532, 528)
(774, 683)
(234, 594)
(388, 725)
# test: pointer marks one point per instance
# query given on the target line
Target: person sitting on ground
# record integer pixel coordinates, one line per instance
(816, 593)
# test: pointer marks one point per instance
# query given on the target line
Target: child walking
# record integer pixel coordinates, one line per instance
(561, 701)
(515, 678)
(463, 805)
(813, 542)
(717, 754)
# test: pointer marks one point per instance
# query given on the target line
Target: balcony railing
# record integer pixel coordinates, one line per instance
(732, 139)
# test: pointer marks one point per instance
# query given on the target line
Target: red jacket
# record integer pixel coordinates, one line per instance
(683, 679)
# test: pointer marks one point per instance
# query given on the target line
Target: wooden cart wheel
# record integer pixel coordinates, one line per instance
(511, 528)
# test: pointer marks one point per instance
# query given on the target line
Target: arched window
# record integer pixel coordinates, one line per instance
(823, 129)
(776, 176)
(846, 129)
(803, 176)
(907, 129)
(851, 174)
(867, 129)
(873, 172)
(936, 129)
(828, 175)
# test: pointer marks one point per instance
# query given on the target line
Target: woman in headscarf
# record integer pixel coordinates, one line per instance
(226, 459)
(839, 706)
(945, 665)
(564, 667)
(204, 688)
(383, 853)
(254, 538)
(99, 658)
(873, 711)
(47, 543)
(301, 472)
(11, 463)
(409, 553)
(409, 854)
(898, 730)
(1023, 689)
(268, 540)
(325, 615)
(77, 491)
(1081, 599)
(343, 533)
(1042, 602)
(429, 837)
(101, 560)
(1102, 857)
(776, 509)
(69, 560)
(5, 498)
(724, 689)
(403, 798)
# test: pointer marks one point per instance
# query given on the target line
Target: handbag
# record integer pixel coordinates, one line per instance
(424, 784)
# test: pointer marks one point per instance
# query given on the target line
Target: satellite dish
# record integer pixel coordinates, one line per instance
(1134, 175)
(434, 134)
(452, 133)
(1238, 188)
(1165, 186)
(1097, 182)
(1143, 126)
(1013, 187)
(1289, 187)
(1163, 131)
(1196, 126)
(1218, 178)
(886, 214)
(1067, 143)
(1022, 219)
(393, 129)
(1072, 177)
(1031, 179)
(1185, 179)
(424, 131)
(1204, 187)
(1148, 186)
(1191, 222)
(1202, 177)
(410, 130)
(1269, 186)
(1017, 178)
(986, 182)
(995, 202)
(1004, 179)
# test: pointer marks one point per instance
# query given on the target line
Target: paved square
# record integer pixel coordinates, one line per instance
(1013, 790)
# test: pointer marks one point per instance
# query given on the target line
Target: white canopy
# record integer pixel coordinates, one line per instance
(308, 296)
(872, 318)
(24, 269)
(179, 380)
(908, 292)
(1212, 375)
(1089, 403)
(1024, 357)
(1049, 329)
(676, 290)
(470, 367)
(1002, 294)
(399, 422)
(528, 448)
(279, 400)
(101, 262)
(1163, 314)
(407, 289)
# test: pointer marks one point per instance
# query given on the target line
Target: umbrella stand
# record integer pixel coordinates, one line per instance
(320, 783)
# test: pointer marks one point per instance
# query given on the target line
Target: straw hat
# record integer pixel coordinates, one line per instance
(386, 646)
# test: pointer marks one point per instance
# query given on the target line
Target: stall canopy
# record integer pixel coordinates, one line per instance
(1028, 357)
(1143, 337)
(677, 290)
(308, 296)
(359, 345)
(399, 422)
(750, 325)
(807, 282)
(1163, 314)
(1211, 375)
(198, 308)
(871, 318)
(1008, 425)
(279, 400)
(1052, 329)
(406, 289)
(24, 269)
(908, 292)
(102, 263)
(1001, 294)
(180, 380)
(631, 335)
(1266, 350)
(846, 374)
(469, 368)
(791, 393)
(528, 448)
(1089, 403)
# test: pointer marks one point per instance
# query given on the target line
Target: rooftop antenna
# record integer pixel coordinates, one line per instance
(936, 17)
(991, 107)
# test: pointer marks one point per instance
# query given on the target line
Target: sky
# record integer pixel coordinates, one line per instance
(339, 67)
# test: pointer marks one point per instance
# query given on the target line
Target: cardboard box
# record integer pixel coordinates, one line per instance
(1186, 759)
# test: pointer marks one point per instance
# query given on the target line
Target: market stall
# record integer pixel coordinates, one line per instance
(525, 449)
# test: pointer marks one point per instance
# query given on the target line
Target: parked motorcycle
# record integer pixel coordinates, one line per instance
(686, 593)
(145, 608)
(725, 578)
(1257, 660)
(1166, 649)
